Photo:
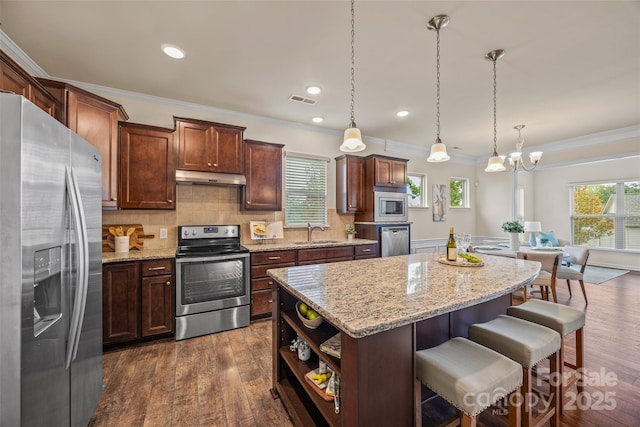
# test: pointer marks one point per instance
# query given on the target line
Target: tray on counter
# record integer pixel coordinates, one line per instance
(462, 263)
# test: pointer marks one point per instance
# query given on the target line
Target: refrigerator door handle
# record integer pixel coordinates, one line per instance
(79, 220)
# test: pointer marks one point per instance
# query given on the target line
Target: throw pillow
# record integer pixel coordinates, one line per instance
(551, 236)
(532, 240)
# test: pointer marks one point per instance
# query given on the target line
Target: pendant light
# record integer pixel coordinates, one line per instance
(496, 163)
(438, 149)
(352, 142)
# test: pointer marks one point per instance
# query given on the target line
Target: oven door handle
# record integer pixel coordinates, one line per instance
(186, 260)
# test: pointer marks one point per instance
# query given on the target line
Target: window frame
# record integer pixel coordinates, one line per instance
(620, 217)
(424, 200)
(314, 161)
(465, 192)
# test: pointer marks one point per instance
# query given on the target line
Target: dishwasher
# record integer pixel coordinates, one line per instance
(394, 240)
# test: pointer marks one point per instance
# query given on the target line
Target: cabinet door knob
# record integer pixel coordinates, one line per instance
(209, 164)
(248, 202)
(170, 201)
(113, 199)
(168, 283)
(270, 283)
(215, 165)
(270, 301)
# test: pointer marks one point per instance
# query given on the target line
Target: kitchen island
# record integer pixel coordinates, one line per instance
(385, 310)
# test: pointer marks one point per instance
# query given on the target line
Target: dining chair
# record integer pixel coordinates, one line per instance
(547, 277)
(577, 255)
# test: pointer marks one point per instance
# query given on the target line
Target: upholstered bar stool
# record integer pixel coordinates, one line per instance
(528, 344)
(471, 377)
(563, 320)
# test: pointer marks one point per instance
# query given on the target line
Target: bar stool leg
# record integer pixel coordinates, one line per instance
(555, 387)
(515, 408)
(580, 360)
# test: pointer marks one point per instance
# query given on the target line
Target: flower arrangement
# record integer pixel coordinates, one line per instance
(350, 230)
(513, 227)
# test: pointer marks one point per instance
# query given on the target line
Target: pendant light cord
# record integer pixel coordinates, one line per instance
(438, 86)
(353, 65)
(495, 120)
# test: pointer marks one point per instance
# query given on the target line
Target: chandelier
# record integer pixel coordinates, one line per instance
(515, 158)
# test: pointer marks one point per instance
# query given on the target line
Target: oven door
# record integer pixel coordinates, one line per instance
(211, 283)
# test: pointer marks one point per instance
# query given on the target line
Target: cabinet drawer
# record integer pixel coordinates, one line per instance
(261, 303)
(273, 257)
(260, 284)
(261, 270)
(324, 253)
(325, 261)
(154, 268)
(366, 251)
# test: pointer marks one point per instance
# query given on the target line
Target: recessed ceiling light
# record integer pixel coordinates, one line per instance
(402, 113)
(313, 90)
(173, 51)
(317, 120)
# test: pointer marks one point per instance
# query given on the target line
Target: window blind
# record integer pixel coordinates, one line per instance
(305, 190)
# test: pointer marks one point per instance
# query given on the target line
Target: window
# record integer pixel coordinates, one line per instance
(417, 184)
(459, 193)
(305, 190)
(606, 214)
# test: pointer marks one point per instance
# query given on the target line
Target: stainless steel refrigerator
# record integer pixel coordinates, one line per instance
(50, 270)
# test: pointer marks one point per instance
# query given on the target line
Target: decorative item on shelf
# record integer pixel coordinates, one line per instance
(514, 228)
(496, 162)
(438, 149)
(352, 142)
(303, 349)
(351, 232)
(309, 317)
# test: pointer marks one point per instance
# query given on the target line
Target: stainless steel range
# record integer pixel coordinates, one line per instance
(212, 280)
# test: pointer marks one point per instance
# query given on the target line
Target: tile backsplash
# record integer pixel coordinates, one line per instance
(202, 204)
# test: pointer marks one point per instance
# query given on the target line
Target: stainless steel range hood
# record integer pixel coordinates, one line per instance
(209, 178)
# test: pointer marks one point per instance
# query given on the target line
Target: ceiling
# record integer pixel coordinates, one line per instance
(571, 68)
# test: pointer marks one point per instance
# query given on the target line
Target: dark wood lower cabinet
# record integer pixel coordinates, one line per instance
(120, 302)
(138, 301)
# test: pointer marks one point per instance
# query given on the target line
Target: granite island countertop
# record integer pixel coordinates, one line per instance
(280, 246)
(365, 297)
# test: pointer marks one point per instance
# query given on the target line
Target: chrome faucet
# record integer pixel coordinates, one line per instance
(310, 230)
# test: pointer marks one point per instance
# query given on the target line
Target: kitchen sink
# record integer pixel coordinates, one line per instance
(316, 242)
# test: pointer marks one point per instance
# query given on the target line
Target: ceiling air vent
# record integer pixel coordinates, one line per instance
(302, 99)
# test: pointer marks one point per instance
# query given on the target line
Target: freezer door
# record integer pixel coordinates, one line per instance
(43, 156)
(87, 360)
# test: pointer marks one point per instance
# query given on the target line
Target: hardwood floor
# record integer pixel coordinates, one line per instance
(224, 379)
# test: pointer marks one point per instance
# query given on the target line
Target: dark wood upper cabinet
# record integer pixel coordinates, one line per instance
(147, 167)
(263, 170)
(208, 146)
(388, 171)
(349, 184)
(14, 78)
(95, 119)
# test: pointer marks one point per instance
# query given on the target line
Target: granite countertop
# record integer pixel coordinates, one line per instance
(262, 247)
(369, 296)
(136, 255)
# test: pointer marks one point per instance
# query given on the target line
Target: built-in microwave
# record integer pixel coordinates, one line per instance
(390, 206)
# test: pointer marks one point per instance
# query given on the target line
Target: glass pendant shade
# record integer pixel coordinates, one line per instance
(535, 156)
(352, 142)
(438, 152)
(495, 164)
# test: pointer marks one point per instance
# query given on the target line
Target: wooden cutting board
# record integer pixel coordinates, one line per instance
(136, 239)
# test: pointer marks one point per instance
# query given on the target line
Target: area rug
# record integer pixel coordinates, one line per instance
(598, 275)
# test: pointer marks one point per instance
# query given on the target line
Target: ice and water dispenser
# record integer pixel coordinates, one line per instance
(47, 289)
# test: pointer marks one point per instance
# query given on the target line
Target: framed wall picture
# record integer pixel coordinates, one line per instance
(439, 202)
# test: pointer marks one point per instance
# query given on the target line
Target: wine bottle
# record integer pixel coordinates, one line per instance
(452, 251)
